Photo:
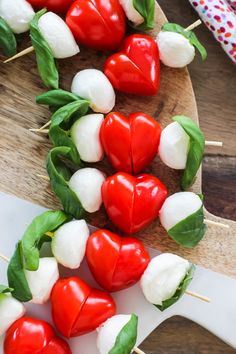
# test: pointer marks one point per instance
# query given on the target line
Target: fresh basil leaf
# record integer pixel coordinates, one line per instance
(190, 231)
(5, 289)
(196, 150)
(57, 98)
(48, 221)
(127, 337)
(191, 36)
(16, 276)
(64, 117)
(7, 39)
(46, 63)
(180, 290)
(146, 8)
(59, 175)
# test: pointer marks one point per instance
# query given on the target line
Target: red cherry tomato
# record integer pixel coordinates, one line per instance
(133, 202)
(58, 6)
(116, 262)
(133, 155)
(31, 336)
(136, 68)
(97, 24)
(78, 309)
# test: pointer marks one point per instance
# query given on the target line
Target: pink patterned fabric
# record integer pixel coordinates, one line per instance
(220, 17)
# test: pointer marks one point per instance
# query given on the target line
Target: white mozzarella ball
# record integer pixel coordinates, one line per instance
(87, 185)
(42, 280)
(175, 50)
(174, 146)
(17, 13)
(108, 332)
(131, 13)
(58, 36)
(93, 85)
(69, 243)
(178, 207)
(85, 133)
(10, 311)
(162, 277)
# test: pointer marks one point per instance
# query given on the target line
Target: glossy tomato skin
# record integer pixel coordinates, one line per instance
(97, 24)
(123, 140)
(116, 262)
(57, 346)
(136, 68)
(57, 6)
(67, 298)
(98, 307)
(77, 308)
(133, 202)
(32, 336)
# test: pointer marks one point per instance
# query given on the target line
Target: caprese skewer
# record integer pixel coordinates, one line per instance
(177, 45)
(181, 147)
(51, 39)
(166, 280)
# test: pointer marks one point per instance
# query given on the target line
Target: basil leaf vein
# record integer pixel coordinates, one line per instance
(65, 117)
(16, 276)
(191, 36)
(59, 175)
(146, 8)
(48, 221)
(45, 60)
(7, 39)
(180, 290)
(126, 339)
(196, 150)
(190, 231)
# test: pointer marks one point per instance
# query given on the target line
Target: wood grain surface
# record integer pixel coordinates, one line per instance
(23, 153)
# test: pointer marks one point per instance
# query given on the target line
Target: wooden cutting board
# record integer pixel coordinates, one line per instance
(23, 153)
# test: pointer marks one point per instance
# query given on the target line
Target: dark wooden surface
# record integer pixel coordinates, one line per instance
(215, 88)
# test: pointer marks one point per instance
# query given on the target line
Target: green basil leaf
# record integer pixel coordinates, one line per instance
(57, 98)
(180, 290)
(196, 150)
(127, 337)
(191, 36)
(48, 221)
(59, 175)
(5, 289)
(7, 39)
(16, 276)
(146, 8)
(190, 231)
(46, 63)
(64, 117)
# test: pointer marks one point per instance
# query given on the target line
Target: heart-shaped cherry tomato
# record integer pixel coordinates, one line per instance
(58, 6)
(97, 24)
(133, 202)
(31, 336)
(116, 262)
(77, 308)
(123, 140)
(136, 68)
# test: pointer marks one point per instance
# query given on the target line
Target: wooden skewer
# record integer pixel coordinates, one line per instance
(213, 143)
(49, 234)
(6, 259)
(193, 25)
(215, 223)
(41, 131)
(46, 125)
(138, 351)
(46, 178)
(20, 54)
(198, 296)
